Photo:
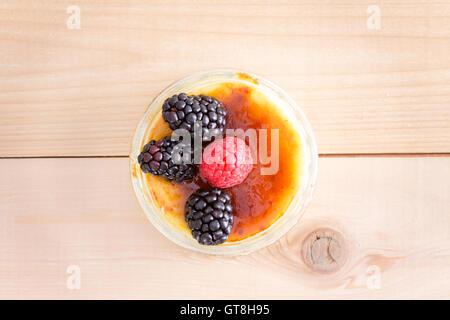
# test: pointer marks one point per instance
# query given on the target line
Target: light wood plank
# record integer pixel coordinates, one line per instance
(82, 92)
(392, 212)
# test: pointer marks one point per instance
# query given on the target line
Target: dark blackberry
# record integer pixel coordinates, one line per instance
(182, 111)
(209, 215)
(156, 158)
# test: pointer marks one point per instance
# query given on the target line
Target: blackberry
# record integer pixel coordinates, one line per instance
(182, 111)
(157, 159)
(209, 215)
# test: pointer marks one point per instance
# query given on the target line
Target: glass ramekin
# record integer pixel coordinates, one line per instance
(309, 162)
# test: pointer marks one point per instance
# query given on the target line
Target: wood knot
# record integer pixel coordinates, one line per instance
(324, 250)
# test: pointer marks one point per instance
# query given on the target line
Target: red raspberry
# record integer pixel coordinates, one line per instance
(226, 162)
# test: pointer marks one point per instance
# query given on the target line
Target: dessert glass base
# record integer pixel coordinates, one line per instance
(281, 207)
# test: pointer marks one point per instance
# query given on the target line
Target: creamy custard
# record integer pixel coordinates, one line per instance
(261, 199)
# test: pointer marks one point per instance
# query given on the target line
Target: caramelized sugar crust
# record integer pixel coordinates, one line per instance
(261, 199)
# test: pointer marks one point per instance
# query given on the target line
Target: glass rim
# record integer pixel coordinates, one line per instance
(297, 205)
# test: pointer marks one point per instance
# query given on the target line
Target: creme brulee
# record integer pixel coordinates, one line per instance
(261, 199)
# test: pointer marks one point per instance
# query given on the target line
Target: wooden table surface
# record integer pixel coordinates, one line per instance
(373, 77)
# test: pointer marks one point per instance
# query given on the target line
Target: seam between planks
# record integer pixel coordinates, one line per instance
(322, 155)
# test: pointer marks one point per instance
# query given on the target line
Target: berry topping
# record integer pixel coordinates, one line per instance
(209, 215)
(158, 159)
(226, 162)
(182, 111)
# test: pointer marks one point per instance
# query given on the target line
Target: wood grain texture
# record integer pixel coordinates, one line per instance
(392, 212)
(81, 92)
